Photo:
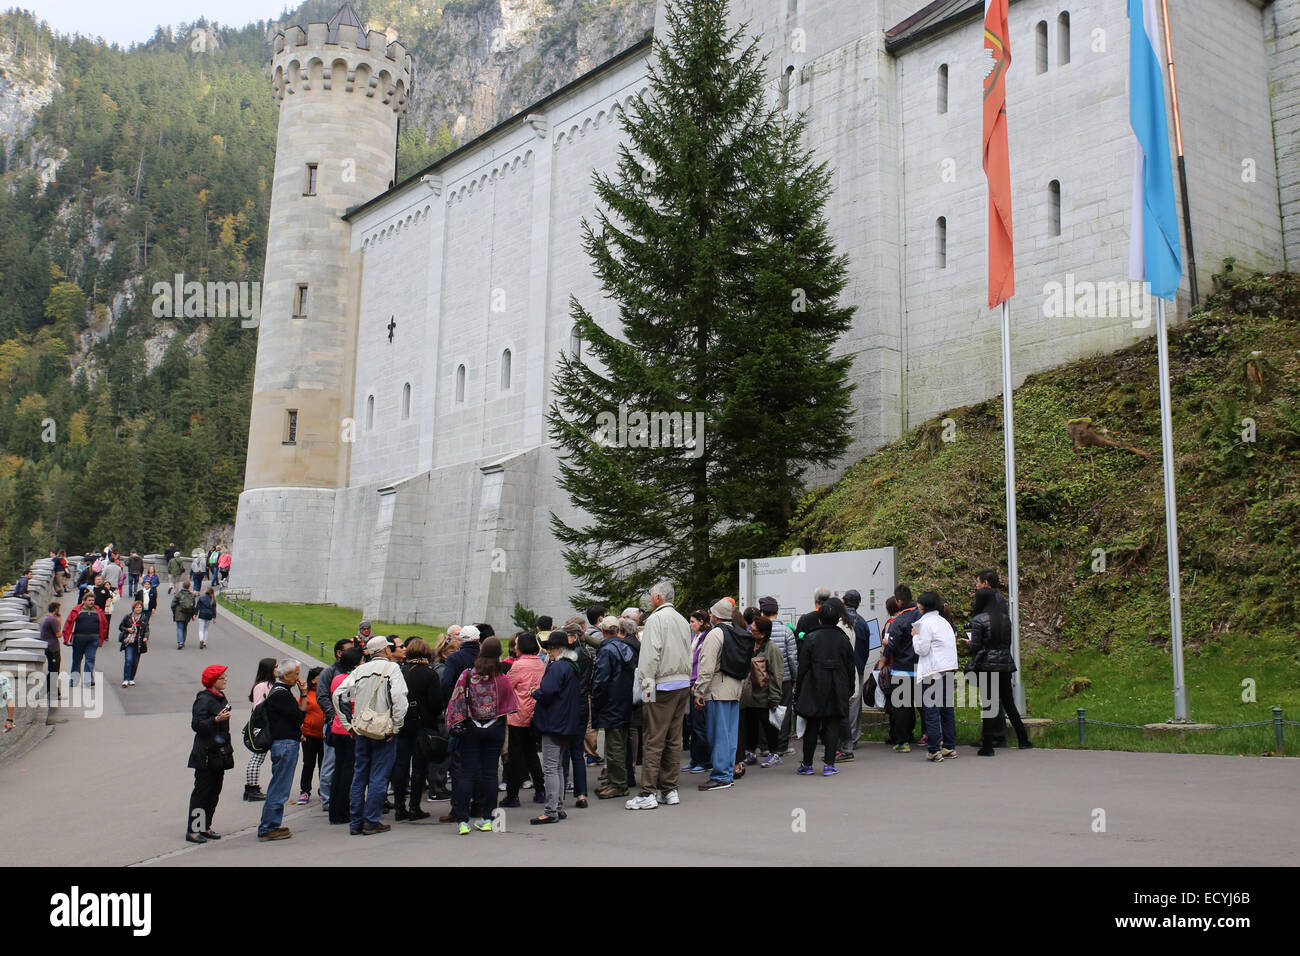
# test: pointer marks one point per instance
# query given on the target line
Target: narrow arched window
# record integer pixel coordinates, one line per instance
(370, 412)
(943, 88)
(460, 383)
(1054, 208)
(505, 371)
(575, 344)
(1040, 44)
(941, 242)
(406, 401)
(1063, 38)
(785, 87)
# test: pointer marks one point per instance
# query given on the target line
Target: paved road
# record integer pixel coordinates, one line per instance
(113, 791)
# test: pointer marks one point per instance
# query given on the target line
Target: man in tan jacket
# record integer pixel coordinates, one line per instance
(721, 693)
(663, 673)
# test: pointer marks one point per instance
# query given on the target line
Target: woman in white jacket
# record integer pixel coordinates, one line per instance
(936, 668)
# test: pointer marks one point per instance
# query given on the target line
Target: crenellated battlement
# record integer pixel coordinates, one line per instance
(340, 55)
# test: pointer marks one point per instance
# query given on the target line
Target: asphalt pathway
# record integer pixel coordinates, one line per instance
(113, 790)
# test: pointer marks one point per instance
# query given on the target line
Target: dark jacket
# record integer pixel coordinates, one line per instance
(901, 652)
(135, 565)
(990, 651)
(806, 624)
(862, 642)
(825, 678)
(142, 633)
(284, 713)
(206, 607)
(323, 698)
(769, 696)
(559, 699)
(211, 737)
(457, 663)
(151, 595)
(611, 683)
(423, 695)
(180, 613)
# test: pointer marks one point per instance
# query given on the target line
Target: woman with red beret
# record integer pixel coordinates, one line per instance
(212, 754)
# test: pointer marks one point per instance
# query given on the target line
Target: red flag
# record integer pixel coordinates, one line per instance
(997, 159)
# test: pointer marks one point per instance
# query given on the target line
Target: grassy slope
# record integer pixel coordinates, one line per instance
(328, 623)
(1238, 516)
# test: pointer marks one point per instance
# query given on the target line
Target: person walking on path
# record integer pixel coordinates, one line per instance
(480, 700)
(50, 628)
(324, 689)
(133, 640)
(256, 694)
(175, 570)
(313, 733)
(344, 743)
(286, 715)
(86, 629)
(720, 692)
(664, 675)
(206, 611)
(134, 571)
(991, 660)
(223, 565)
(211, 755)
(936, 665)
(184, 604)
(424, 710)
(147, 595)
(198, 571)
(824, 685)
(558, 718)
(522, 759)
(371, 704)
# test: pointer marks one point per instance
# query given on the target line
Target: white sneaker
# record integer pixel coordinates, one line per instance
(130, 683)
(672, 799)
(646, 802)
(125, 683)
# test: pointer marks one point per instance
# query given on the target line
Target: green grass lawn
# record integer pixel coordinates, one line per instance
(322, 624)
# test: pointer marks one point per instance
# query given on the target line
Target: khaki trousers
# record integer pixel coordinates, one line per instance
(662, 748)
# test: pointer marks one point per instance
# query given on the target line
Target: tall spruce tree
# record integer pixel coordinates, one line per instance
(712, 243)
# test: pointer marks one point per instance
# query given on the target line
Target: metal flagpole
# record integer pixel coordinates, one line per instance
(1009, 461)
(1171, 514)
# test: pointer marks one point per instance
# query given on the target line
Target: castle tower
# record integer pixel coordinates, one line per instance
(341, 91)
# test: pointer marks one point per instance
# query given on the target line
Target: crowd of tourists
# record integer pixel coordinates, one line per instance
(111, 585)
(479, 722)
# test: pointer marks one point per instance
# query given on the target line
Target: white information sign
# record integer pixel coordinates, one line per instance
(793, 578)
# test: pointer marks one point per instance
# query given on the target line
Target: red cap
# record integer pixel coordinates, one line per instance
(212, 673)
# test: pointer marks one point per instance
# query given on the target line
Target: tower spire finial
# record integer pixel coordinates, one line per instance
(347, 17)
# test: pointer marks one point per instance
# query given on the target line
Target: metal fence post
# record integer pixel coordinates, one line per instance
(281, 632)
(1083, 727)
(260, 622)
(1280, 747)
(295, 638)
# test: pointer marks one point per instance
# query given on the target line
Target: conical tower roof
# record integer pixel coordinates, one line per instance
(347, 17)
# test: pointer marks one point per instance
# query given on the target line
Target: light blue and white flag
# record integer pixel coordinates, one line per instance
(1154, 251)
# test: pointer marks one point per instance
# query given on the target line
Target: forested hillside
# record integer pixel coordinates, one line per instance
(122, 168)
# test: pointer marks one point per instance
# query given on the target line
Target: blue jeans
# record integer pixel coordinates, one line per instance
(326, 770)
(284, 761)
(373, 766)
(480, 752)
(722, 725)
(182, 627)
(130, 661)
(937, 714)
(84, 647)
(699, 717)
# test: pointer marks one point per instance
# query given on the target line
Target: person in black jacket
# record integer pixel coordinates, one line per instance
(611, 701)
(990, 658)
(903, 698)
(824, 685)
(132, 640)
(211, 755)
(560, 717)
(285, 713)
(424, 695)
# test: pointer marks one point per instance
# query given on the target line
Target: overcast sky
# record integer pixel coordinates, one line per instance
(133, 21)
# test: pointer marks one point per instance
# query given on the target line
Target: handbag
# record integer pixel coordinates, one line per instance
(432, 743)
(758, 672)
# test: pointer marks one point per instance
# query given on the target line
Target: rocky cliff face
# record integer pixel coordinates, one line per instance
(27, 85)
(485, 60)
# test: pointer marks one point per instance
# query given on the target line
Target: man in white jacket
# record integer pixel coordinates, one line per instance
(936, 667)
(663, 673)
(377, 693)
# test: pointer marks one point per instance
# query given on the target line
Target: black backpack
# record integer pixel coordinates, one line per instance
(737, 650)
(257, 732)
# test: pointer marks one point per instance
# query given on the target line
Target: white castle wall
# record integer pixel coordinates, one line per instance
(446, 514)
(1282, 31)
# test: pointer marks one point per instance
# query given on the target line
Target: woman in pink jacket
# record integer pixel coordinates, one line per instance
(525, 675)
